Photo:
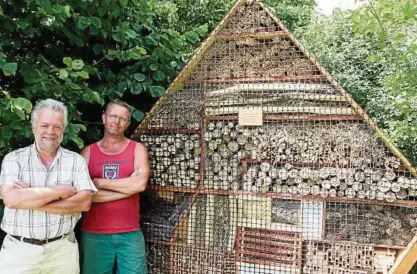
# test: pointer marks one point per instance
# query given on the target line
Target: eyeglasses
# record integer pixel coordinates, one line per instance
(117, 118)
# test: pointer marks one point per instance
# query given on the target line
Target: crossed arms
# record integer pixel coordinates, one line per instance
(57, 199)
(116, 189)
(61, 199)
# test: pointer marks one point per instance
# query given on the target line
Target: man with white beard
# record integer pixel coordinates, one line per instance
(44, 188)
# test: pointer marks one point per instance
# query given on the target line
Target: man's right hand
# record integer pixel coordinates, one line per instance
(66, 191)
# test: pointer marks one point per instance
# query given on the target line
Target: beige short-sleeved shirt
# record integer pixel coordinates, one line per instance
(68, 168)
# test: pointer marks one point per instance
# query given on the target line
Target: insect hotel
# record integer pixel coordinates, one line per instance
(262, 163)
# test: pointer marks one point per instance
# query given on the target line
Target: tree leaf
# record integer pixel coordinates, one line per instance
(19, 113)
(63, 74)
(22, 23)
(2, 59)
(6, 133)
(96, 22)
(139, 77)
(67, 61)
(96, 97)
(46, 4)
(101, 11)
(136, 89)
(77, 64)
(83, 22)
(83, 74)
(67, 10)
(79, 142)
(9, 69)
(153, 67)
(156, 91)
(138, 115)
(110, 76)
(22, 104)
(159, 75)
(131, 33)
(97, 49)
(123, 3)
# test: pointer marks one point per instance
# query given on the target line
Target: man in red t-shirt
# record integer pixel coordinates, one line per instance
(119, 168)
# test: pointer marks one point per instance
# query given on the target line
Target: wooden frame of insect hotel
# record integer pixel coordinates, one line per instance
(262, 163)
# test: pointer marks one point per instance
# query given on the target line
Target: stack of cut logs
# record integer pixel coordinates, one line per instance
(355, 169)
(361, 169)
(329, 181)
(224, 150)
(174, 159)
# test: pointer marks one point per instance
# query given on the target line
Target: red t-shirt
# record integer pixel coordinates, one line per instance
(115, 216)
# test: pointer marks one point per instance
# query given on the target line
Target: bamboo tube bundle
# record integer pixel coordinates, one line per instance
(273, 88)
(314, 144)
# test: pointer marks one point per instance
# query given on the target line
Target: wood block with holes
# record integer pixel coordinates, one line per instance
(269, 247)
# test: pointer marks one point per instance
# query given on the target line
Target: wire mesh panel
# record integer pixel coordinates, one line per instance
(262, 163)
(370, 224)
(158, 258)
(250, 18)
(189, 259)
(180, 111)
(162, 213)
(269, 247)
(338, 257)
(174, 159)
(252, 58)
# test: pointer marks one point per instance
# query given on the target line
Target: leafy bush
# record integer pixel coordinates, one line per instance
(82, 53)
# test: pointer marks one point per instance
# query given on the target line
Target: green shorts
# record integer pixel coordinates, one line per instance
(102, 253)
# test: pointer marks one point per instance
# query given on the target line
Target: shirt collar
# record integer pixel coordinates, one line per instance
(36, 152)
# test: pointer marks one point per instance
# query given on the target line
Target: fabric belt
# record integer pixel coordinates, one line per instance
(36, 241)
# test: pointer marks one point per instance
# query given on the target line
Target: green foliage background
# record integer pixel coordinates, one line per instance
(372, 52)
(83, 53)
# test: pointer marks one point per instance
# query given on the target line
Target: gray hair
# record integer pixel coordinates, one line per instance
(121, 104)
(49, 104)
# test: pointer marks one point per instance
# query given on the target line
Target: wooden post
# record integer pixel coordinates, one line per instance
(406, 259)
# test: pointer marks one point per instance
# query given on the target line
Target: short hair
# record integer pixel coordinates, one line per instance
(120, 103)
(49, 104)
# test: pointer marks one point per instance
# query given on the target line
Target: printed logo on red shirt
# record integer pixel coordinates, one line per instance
(110, 171)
